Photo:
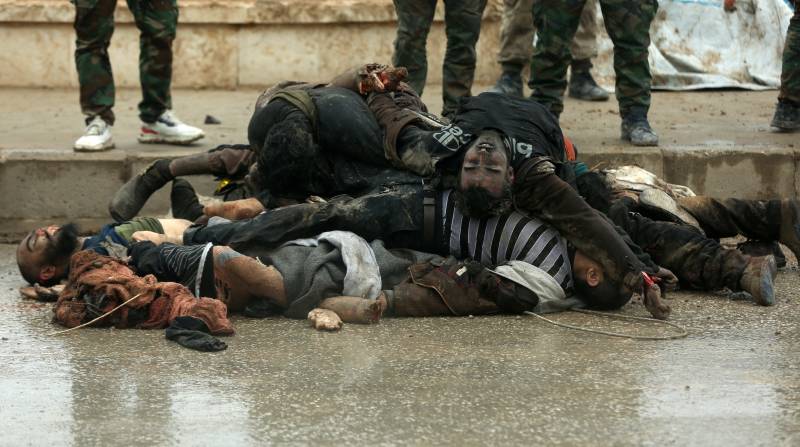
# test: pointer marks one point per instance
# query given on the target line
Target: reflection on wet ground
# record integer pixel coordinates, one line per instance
(734, 381)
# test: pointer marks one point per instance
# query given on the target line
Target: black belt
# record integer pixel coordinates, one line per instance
(429, 219)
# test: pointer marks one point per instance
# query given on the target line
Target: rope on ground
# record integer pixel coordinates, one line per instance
(98, 318)
(681, 334)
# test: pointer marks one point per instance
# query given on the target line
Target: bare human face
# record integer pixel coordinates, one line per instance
(486, 165)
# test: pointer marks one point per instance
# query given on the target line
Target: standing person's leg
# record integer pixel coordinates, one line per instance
(556, 22)
(157, 21)
(516, 45)
(94, 25)
(584, 48)
(787, 113)
(414, 19)
(462, 24)
(628, 25)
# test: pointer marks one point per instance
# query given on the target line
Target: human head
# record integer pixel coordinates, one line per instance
(43, 255)
(287, 155)
(485, 177)
(593, 285)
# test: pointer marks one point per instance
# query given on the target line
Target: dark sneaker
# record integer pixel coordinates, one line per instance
(787, 117)
(183, 201)
(638, 132)
(130, 199)
(509, 84)
(583, 86)
(757, 279)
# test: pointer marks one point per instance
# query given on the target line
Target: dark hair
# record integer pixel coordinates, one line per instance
(288, 153)
(607, 295)
(477, 202)
(593, 187)
(63, 243)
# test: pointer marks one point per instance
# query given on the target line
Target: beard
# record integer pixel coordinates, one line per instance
(477, 202)
(62, 245)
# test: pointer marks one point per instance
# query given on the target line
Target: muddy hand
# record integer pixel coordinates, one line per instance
(39, 293)
(380, 78)
(668, 279)
(654, 304)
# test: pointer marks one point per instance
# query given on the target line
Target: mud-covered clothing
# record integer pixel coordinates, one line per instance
(628, 25)
(348, 157)
(397, 217)
(754, 219)
(516, 33)
(462, 21)
(544, 183)
(790, 72)
(94, 25)
(114, 239)
(698, 261)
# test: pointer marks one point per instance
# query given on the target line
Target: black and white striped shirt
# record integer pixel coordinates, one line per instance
(495, 240)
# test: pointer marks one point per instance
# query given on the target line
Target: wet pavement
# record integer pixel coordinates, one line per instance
(496, 380)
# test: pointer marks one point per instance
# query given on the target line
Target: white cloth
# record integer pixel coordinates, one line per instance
(363, 277)
(551, 296)
(696, 44)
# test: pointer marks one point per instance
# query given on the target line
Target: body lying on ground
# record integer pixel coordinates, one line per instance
(328, 140)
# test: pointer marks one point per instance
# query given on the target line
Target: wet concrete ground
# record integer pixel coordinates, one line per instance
(734, 381)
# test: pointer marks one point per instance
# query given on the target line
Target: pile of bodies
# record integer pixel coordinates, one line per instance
(355, 203)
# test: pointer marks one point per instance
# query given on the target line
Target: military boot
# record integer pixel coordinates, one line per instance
(636, 129)
(582, 85)
(183, 201)
(757, 279)
(510, 83)
(790, 226)
(787, 116)
(130, 199)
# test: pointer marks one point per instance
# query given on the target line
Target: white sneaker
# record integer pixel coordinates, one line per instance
(169, 129)
(96, 138)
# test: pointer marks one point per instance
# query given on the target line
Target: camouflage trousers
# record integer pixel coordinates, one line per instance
(94, 25)
(516, 33)
(698, 261)
(628, 25)
(462, 21)
(790, 74)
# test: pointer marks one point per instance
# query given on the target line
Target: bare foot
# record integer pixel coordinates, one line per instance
(235, 209)
(156, 238)
(324, 320)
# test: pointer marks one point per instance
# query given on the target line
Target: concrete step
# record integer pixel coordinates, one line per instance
(717, 143)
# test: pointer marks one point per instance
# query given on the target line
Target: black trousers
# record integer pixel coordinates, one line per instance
(699, 262)
(393, 212)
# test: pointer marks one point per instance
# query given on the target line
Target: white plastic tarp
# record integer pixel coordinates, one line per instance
(696, 44)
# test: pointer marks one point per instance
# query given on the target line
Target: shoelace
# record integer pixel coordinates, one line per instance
(94, 129)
